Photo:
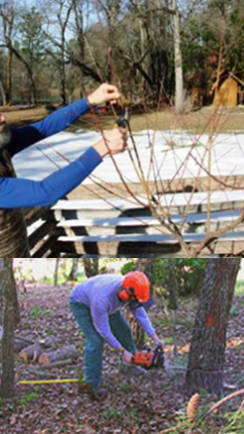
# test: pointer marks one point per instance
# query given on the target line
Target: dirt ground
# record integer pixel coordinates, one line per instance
(136, 404)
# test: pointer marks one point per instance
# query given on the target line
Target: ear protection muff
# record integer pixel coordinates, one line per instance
(124, 294)
(127, 294)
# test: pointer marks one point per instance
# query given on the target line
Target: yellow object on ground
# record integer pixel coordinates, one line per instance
(65, 380)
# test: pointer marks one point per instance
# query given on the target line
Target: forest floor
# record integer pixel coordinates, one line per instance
(149, 403)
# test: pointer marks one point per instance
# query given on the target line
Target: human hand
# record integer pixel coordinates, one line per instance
(5, 133)
(127, 356)
(105, 92)
(113, 142)
(158, 341)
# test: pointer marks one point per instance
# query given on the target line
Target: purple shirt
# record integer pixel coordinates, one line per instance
(99, 294)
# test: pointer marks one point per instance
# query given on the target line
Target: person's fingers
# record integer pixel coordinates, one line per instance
(113, 92)
(2, 119)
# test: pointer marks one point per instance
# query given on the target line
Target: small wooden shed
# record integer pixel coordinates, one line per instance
(226, 90)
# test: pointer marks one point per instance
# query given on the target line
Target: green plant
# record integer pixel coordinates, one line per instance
(35, 312)
(127, 267)
(189, 274)
(239, 288)
(27, 398)
(126, 387)
(112, 413)
(133, 413)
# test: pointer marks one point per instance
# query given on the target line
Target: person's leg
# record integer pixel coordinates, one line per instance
(122, 331)
(93, 346)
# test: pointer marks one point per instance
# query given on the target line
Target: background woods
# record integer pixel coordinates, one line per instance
(198, 311)
(53, 50)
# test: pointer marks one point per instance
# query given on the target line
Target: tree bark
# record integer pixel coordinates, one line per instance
(56, 272)
(9, 322)
(91, 266)
(172, 285)
(74, 270)
(206, 358)
(179, 91)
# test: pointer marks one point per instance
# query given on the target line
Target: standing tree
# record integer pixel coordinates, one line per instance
(31, 51)
(8, 14)
(179, 94)
(206, 358)
(10, 318)
(91, 266)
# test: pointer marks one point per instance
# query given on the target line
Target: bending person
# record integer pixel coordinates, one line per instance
(22, 193)
(96, 305)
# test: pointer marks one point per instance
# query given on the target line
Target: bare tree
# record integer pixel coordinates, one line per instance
(179, 91)
(8, 15)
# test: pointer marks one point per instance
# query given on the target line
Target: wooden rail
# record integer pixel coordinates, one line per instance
(122, 228)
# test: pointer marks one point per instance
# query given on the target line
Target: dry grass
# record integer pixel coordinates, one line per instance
(167, 119)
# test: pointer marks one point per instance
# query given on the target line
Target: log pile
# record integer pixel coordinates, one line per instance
(44, 351)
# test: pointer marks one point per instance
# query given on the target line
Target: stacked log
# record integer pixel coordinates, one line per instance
(62, 353)
(44, 351)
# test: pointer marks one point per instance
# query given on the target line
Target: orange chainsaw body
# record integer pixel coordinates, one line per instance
(147, 359)
(143, 359)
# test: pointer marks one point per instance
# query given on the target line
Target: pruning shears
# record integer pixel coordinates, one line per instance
(123, 117)
(122, 114)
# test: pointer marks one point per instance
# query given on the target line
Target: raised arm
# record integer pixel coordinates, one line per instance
(61, 119)
(57, 121)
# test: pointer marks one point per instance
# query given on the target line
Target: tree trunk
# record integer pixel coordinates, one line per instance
(32, 94)
(74, 270)
(9, 77)
(65, 352)
(56, 272)
(3, 93)
(4, 276)
(91, 266)
(179, 91)
(172, 285)
(206, 358)
(9, 322)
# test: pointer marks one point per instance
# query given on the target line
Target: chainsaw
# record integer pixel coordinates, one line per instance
(148, 359)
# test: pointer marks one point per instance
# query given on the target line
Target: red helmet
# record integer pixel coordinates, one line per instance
(135, 283)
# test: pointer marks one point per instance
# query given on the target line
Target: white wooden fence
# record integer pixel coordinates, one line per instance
(120, 228)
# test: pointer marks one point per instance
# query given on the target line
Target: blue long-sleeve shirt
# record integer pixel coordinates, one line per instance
(20, 193)
(99, 294)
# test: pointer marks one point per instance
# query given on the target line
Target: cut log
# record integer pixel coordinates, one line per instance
(21, 342)
(19, 345)
(65, 352)
(33, 351)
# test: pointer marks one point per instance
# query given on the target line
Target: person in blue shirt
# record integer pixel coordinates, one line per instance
(22, 193)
